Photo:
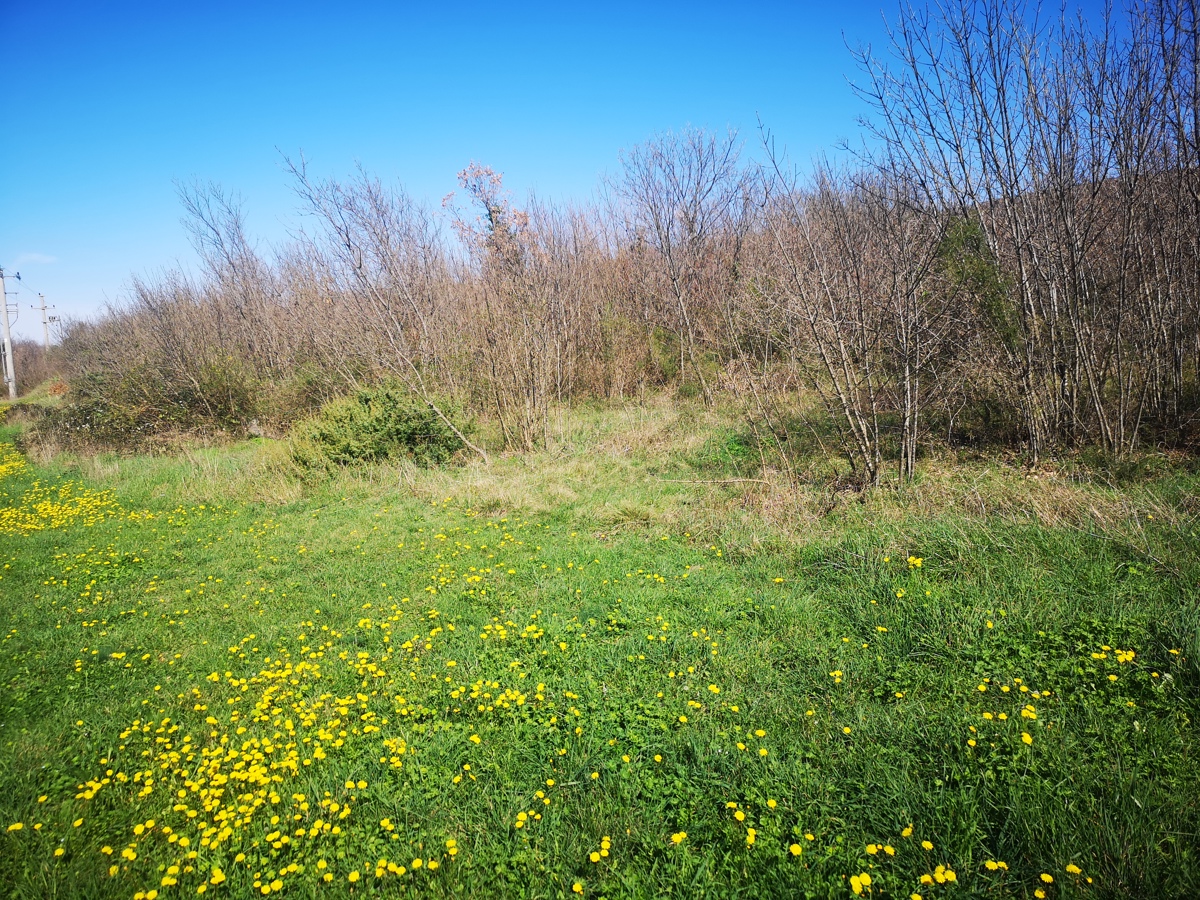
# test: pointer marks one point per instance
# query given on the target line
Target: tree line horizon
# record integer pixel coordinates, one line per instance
(1013, 260)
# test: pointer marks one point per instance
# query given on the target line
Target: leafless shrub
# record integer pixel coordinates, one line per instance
(688, 200)
(1074, 150)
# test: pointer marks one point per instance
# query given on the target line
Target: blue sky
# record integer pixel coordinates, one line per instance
(106, 105)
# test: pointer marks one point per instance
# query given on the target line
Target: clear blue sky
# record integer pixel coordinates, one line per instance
(106, 105)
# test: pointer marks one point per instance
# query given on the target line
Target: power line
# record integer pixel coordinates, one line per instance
(22, 288)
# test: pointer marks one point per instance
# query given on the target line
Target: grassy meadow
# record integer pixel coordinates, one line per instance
(632, 665)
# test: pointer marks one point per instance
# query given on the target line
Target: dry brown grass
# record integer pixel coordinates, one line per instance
(633, 467)
(629, 468)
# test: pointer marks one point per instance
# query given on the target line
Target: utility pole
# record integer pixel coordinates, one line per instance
(45, 320)
(10, 375)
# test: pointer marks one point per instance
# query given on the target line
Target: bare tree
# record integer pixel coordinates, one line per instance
(852, 262)
(687, 198)
(388, 259)
(1052, 135)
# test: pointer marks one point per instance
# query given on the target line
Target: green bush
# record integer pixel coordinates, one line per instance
(146, 407)
(298, 395)
(371, 425)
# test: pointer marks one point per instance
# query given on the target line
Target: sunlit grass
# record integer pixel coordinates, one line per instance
(394, 684)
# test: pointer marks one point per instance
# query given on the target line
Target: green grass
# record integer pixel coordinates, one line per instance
(260, 649)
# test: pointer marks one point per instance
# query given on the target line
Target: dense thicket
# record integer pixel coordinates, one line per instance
(1014, 258)
(34, 365)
